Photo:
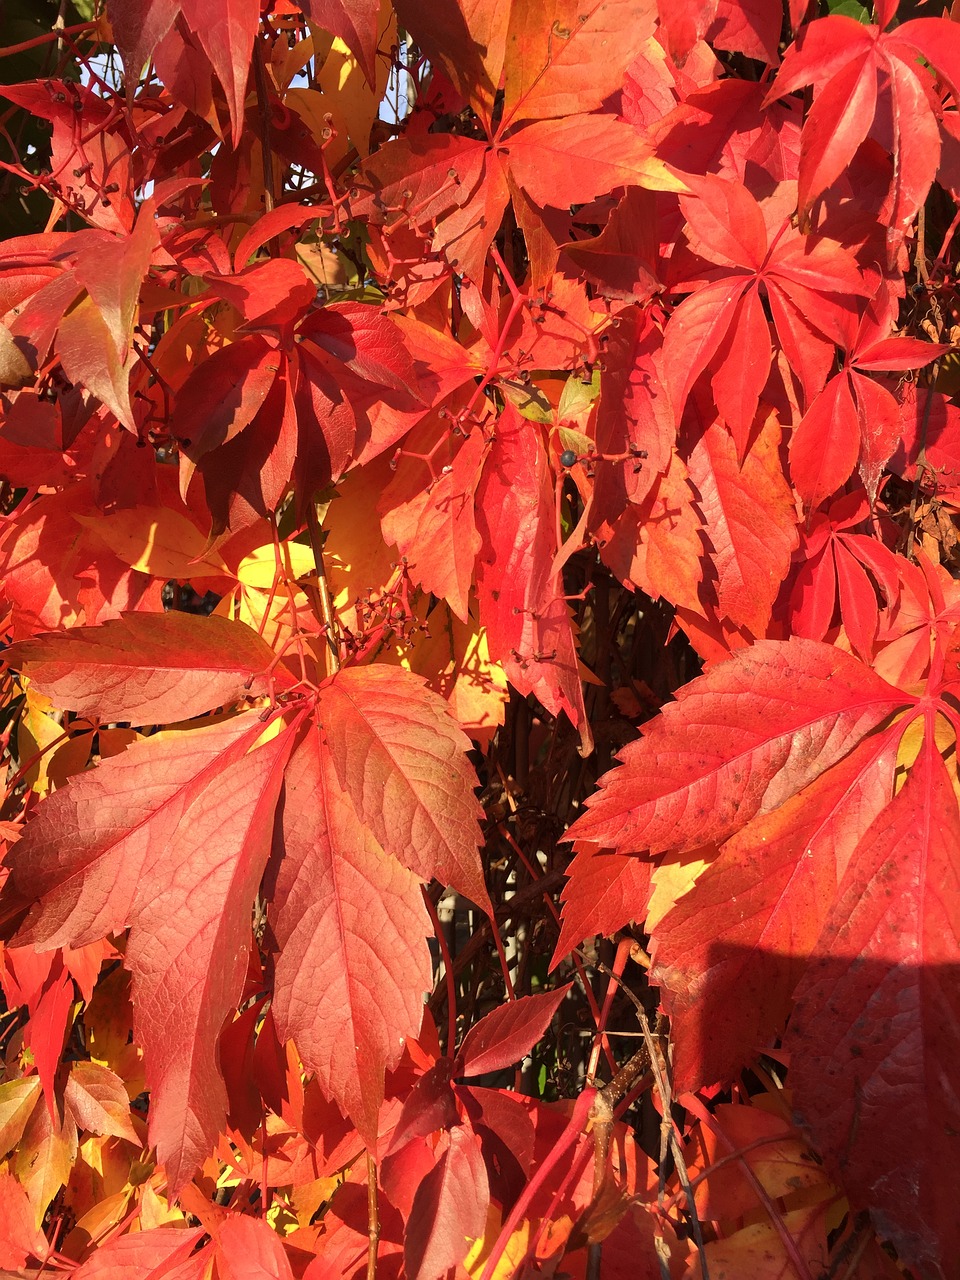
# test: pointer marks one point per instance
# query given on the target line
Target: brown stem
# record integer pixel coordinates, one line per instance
(263, 106)
(373, 1218)
(57, 34)
(323, 584)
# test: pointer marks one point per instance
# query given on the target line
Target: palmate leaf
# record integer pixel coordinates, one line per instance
(172, 838)
(829, 890)
(739, 741)
(148, 668)
(351, 924)
(879, 1005)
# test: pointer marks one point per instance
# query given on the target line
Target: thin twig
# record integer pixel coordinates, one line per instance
(263, 105)
(326, 605)
(373, 1218)
(661, 1077)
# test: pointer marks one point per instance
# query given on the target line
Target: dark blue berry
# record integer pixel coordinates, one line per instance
(568, 458)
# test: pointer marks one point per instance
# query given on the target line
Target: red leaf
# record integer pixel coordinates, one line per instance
(19, 1237)
(916, 153)
(45, 1032)
(568, 161)
(343, 910)
(467, 40)
(730, 952)
(112, 270)
(750, 517)
(98, 1101)
(368, 343)
(188, 950)
(885, 969)
(506, 1034)
(355, 22)
(521, 594)
(696, 330)
(149, 668)
(400, 757)
(185, 819)
(140, 1254)
(138, 27)
(739, 741)
(427, 511)
(748, 26)
(89, 356)
(838, 122)
(269, 295)
(725, 223)
(634, 416)
(742, 367)
(429, 1106)
(421, 177)
(603, 893)
(449, 1210)
(658, 546)
(222, 396)
(825, 443)
(226, 34)
(878, 420)
(858, 602)
(572, 65)
(249, 1249)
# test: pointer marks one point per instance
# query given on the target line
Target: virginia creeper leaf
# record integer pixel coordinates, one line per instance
(503, 1037)
(140, 1253)
(885, 975)
(740, 740)
(730, 952)
(399, 755)
(449, 1210)
(188, 950)
(343, 911)
(750, 517)
(148, 668)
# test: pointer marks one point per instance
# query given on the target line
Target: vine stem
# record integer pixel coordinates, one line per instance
(373, 1218)
(57, 34)
(326, 605)
(447, 973)
(567, 1139)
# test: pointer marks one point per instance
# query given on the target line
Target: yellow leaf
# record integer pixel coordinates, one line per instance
(259, 568)
(95, 1222)
(158, 541)
(912, 740)
(308, 1198)
(343, 111)
(675, 876)
(44, 1158)
(454, 659)
(287, 61)
(509, 1263)
(36, 732)
(17, 1100)
(155, 1209)
(107, 1021)
(357, 559)
(270, 616)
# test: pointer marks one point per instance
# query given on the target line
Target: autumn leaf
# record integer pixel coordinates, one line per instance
(206, 818)
(739, 741)
(342, 907)
(883, 971)
(148, 668)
